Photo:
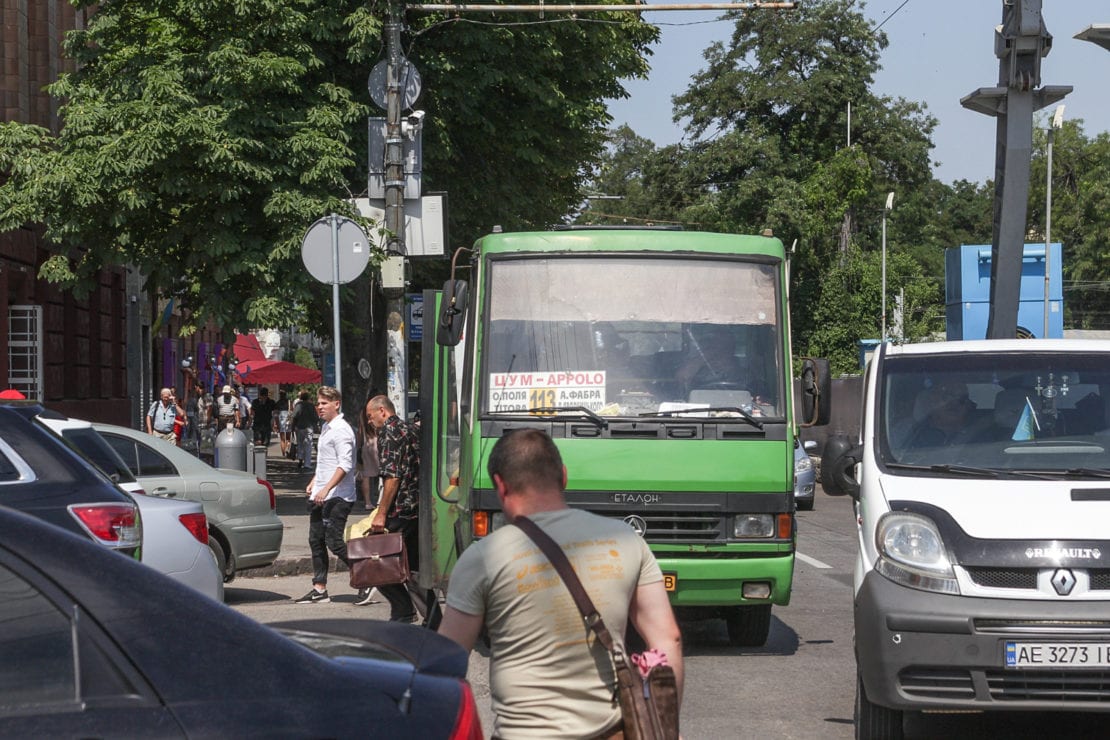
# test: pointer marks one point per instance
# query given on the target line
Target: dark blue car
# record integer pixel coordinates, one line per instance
(40, 475)
(95, 645)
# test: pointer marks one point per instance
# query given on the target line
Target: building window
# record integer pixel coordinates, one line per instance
(25, 367)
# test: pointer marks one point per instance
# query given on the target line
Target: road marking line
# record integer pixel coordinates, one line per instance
(811, 561)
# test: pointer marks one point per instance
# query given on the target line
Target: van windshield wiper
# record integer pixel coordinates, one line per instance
(682, 412)
(580, 411)
(1087, 472)
(968, 470)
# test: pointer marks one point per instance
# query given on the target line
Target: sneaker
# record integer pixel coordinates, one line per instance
(314, 597)
(366, 596)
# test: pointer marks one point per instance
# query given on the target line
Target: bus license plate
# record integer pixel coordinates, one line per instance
(1057, 654)
(670, 581)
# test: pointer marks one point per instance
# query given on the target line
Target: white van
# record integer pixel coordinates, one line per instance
(982, 484)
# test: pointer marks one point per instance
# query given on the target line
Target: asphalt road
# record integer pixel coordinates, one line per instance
(801, 684)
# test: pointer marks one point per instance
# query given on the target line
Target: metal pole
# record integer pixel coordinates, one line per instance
(395, 197)
(889, 204)
(882, 333)
(335, 299)
(1048, 230)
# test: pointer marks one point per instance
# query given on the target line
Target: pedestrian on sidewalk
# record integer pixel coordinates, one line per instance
(331, 493)
(398, 506)
(285, 424)
(162, 414)
(304, 419)
(226, 408)
(368, 465)
(548, 675)
(262, 412)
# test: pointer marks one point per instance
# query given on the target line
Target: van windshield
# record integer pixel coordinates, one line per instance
(1044, 412)
(625, 336)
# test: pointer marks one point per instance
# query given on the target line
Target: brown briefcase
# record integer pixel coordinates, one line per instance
(378, 560)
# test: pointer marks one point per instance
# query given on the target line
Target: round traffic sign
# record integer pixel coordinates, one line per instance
(407, 77)
(319, 247)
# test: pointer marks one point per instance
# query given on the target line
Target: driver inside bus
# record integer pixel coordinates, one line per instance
(712, 362)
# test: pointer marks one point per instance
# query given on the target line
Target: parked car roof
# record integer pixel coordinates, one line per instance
(40, 475)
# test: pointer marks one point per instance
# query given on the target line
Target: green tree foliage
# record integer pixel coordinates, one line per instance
(201, 139)
(767, 147)
(1080, 217)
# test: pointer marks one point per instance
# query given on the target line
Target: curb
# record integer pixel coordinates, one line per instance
(290, 567)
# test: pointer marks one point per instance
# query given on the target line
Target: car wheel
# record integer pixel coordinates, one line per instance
(748, 626)
(223, 564)
(874, 722)
(805, 504)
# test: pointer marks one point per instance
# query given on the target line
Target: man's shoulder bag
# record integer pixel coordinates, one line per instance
(378, 560)
(649, 706)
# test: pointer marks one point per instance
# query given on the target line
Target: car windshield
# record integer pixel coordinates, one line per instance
(982, 414)
(626, 336)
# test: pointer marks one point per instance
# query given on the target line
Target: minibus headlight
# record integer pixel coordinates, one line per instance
(748, 526)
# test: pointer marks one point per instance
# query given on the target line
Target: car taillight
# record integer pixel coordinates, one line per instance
(273, 501)
(115, 525)
(197, 524)
(468, 726)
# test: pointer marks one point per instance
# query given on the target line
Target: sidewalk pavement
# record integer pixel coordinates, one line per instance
(289, 483)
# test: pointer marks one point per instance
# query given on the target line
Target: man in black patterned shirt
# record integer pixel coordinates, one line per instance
(398, 507)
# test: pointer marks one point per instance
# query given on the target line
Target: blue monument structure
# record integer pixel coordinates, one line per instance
(967, 284)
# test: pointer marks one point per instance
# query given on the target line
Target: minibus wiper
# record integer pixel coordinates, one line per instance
(735, 409)
(582, 410)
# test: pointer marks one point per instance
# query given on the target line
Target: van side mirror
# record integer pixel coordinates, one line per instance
(816, 398)
(838, 466)
(452, 315)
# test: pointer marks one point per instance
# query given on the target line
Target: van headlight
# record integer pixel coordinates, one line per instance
(912, 553)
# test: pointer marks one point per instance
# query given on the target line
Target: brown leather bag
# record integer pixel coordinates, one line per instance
(649, 706)
(378, 560)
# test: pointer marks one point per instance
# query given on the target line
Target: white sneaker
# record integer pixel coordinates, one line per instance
(367, 596)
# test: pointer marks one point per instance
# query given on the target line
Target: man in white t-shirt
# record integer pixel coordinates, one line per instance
(549, 676)
(331, 493)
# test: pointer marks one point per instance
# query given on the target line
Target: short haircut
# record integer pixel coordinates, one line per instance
(328, 393)
(382, 402)
(526, 458)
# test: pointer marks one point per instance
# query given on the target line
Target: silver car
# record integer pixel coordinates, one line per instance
(805, 475)
(244, 530)
(175, 533)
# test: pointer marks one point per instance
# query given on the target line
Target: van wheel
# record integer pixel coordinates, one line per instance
(748, 626)
(874, 722)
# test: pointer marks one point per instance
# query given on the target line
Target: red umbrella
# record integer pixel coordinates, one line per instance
(247, 348)
(268, 372)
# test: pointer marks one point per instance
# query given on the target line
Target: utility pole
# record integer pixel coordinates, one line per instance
(396, 351)
(1020, 43)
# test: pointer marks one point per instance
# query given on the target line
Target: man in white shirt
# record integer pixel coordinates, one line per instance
(331, 493)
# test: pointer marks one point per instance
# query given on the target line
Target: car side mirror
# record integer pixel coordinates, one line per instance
(838, 466)
(452, 315)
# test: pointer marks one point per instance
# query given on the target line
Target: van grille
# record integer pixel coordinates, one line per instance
(1100, 579)
(1024, 578)
(929, 683)
(1073, 686)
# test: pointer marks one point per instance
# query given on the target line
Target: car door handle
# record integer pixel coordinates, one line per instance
(164, 492)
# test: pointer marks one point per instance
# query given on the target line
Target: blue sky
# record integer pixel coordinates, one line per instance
(938, 52)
